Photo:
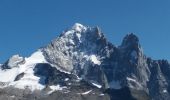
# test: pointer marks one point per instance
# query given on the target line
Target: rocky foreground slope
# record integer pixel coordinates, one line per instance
(81, 64)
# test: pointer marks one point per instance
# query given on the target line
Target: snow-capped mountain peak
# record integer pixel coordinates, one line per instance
(77, 45)
(79, 27)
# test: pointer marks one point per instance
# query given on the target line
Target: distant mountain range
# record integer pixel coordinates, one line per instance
(81, 64)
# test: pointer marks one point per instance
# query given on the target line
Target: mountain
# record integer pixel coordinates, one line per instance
(81, 64)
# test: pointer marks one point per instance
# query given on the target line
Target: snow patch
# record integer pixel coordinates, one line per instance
(55, 88)
(66, 79)
(131, 82)
(130, 79)
(71, 41)
(97, 85)
(101, 94)
(13, 96)
(85, 93)
(165, 91)
(94, 59)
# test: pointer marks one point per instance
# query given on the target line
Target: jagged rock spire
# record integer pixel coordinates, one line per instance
(131, 47)
(130, 40)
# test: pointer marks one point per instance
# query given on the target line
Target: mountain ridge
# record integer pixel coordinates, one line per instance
(82, 57)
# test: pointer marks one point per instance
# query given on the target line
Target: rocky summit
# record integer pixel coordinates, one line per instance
(81, 64)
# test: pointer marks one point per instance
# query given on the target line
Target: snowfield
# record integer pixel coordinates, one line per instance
(29, 80)
(95, 60)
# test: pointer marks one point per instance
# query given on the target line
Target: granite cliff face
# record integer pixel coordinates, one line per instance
(81, 64)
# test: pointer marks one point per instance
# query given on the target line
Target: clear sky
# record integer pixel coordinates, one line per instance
(26, 25)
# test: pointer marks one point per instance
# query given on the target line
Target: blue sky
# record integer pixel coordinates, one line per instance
(26, 25)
